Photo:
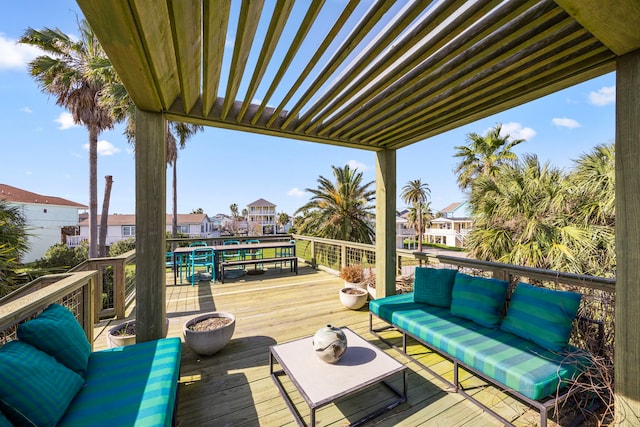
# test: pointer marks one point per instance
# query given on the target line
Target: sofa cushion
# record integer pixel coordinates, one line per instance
(4, 422)
(479, 299)
(433, 286)
(515, 362)
(57, 332)
(34, 388)
(139, 382)
(543, 316)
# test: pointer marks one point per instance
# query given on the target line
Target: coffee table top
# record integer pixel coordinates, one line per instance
(361, 365)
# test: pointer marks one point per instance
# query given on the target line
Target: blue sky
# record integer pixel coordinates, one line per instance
(42, 152)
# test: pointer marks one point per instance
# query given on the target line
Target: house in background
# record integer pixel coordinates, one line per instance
(48, 218)
(120, 227)
(262, 217)
(451, 226)
(404, 232)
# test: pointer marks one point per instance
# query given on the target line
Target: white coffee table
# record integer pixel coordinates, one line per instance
(363, 365)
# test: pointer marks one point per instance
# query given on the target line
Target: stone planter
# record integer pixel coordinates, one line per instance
(353, 298)
(210, 341)
(116, 337)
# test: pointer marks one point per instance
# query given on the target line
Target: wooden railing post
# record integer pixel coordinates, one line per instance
(343, 255)
(118, 288)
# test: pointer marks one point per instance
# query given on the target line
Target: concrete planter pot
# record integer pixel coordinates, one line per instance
(117, 337)
(210, 341)
(353, 298)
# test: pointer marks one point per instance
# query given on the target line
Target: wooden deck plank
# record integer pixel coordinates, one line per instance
(233, 387)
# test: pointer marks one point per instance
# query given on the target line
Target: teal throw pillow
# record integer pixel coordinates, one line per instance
(34, 388)
(479, 299)
(543, 316)
(4, 422)
(433, 286)
(57, 332)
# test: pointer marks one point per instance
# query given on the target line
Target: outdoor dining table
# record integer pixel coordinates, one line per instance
(219, 249)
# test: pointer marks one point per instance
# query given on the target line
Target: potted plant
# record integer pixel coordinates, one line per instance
(125, 333)
(353, 275)
(370, 283)
(353, 298)
(209, 333)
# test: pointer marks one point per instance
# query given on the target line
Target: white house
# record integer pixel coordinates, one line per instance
(403, 231)
(451, 226)
(262, 217)
(47, 217)
(120, 227)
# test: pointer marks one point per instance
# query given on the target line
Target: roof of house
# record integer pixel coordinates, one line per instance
(261, 202)
(18, 195)
(452, 207)
(130, 219)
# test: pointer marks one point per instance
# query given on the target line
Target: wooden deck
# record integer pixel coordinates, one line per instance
(234, 388)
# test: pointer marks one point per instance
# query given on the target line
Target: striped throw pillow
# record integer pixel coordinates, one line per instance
(478, 299)
(433, 286)
(57, 332)
(34, 388)
(543, 316)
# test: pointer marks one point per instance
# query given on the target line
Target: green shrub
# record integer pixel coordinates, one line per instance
(59, 255)
(122, 246)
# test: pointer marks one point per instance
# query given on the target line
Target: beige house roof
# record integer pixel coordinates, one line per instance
(261, 202)
(18, 195)
(130, 219)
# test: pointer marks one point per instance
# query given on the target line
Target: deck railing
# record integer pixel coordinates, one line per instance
(72, 290)
(115, 285)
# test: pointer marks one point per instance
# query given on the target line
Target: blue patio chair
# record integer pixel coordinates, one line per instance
(204, 257)
(231, 255)
(194, 244)
(282, 252)
(179, 262)
(252, 253)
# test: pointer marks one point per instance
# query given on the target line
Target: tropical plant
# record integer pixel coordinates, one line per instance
(64, 73)
(352, 273)
(483, 156)
(234, 210)
(62, 256)
(342, 210)
(184, 132)
(283, 219)
(13, 244)
(416, 193)
(122, 246)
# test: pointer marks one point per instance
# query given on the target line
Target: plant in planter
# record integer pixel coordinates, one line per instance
(353, 275)
(209, 333)
(125, 333)
(353, 298)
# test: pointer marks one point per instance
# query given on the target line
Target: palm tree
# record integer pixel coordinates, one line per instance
(13, 244)
(283, 219)
(184, 131)
(416, 193)
(483, 156)
(342, 210)
(63, 73)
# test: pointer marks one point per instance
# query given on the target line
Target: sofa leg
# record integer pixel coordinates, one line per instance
(456, 383)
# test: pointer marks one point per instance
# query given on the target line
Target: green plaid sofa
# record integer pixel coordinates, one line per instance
(50, 377)
(456, 325)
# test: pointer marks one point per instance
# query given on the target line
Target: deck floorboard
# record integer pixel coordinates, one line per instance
(234, 388)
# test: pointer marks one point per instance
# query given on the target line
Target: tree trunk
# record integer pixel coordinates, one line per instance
(174, 219)
(93, 192)
(419, 227)
(102, 244)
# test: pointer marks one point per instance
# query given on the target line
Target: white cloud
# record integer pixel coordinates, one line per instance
(26, 110)
(517, 131)
(354, 164)
(66, 121)
(603, 96)
(13, 55)
(105, 148)
(565, 122)
(295, 192)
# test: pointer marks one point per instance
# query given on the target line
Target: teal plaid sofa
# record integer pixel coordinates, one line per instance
(455, 324)
(50, 377)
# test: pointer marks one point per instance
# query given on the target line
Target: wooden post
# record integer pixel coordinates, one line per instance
(385, 223)
(151, 178)
(119, 282)
(627, 346)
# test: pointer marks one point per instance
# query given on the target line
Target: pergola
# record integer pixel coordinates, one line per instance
(377, 76)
